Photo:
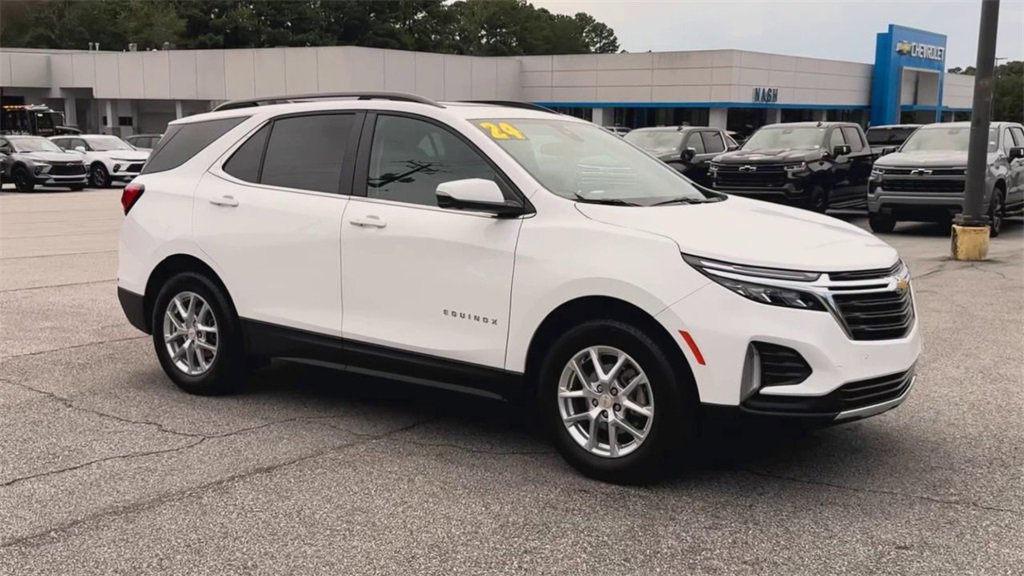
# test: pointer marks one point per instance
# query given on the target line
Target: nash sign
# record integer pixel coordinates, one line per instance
(766, 95)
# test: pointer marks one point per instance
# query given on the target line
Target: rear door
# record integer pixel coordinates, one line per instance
(270, 219)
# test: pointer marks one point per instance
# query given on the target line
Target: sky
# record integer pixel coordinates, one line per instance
(835, 29)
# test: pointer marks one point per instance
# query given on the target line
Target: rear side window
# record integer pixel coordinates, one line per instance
(713, 142)
(245, 162)
(184, 141)
(853, 138)
(694, 141)
(306, 152)
(1018, 135)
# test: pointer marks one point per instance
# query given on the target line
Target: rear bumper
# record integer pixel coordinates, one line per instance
(134, 309)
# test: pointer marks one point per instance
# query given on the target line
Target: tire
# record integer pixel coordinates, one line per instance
(667, 391)
(996, 212)
(23, 180)
(881, 223)
(818, 199)
(98, 176)
(221, 371)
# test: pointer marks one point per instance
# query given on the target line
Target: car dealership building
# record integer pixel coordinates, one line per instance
(140, 92)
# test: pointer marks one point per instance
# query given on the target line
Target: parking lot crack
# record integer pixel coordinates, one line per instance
(158, 500)
(472, 450)
(931, 499)
(73, 347)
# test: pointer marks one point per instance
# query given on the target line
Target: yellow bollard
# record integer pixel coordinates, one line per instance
(970, 242)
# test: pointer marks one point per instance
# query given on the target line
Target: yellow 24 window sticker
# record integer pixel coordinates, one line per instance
(502, 131)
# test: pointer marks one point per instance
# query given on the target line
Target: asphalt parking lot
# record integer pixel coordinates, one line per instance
(106, 468)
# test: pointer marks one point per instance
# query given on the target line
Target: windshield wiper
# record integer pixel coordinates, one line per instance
(681, 200)
(608, 201)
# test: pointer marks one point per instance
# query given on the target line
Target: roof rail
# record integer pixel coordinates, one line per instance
(396, 96)
(513, 104)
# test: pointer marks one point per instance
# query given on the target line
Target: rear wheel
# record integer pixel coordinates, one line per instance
(996, 212)
(882, 223)
(617, 408)
(197, 337)
(23, 180)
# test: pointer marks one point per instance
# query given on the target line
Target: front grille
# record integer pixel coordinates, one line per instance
(875, 274)
(849, 396)
(762, 176)
(874, 391)
(67, 169)
(781, 366)
(137, 167)
(922, 185)
(876, 315)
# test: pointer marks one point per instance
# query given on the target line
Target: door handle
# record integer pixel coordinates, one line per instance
(368, 222)
(226, 200)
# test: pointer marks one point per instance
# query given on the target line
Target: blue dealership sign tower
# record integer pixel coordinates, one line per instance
(895, 50)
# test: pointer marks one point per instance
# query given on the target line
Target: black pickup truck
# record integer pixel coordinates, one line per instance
(815, 165)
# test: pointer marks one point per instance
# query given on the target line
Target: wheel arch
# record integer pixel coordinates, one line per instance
(172, 266)
(588, 308)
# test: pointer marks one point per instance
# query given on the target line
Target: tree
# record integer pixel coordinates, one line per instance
(1007, 92)
(478, 27)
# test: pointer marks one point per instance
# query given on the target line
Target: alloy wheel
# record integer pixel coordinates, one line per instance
(190, 333)
(605, 401)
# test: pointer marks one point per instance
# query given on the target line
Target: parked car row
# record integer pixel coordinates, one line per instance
(902, 172)
(72, 161)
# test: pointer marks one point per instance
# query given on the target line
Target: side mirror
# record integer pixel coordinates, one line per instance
(1016, 152)
(476, 195)
(888, 150)
(841, 150)
(80, 149)
(688, 154)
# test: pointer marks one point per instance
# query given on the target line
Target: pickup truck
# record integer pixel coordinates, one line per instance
(925, 179)
(887, 139)
(815, 165)
(688, 149)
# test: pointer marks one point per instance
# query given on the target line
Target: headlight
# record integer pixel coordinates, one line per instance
(877, 172)
(713, 168)
(798, 167)
(744, 280)
(41, 167)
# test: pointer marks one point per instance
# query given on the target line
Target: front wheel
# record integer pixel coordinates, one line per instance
(818, 199)
(98, 176)
(615, 404)
(881, 223)
(197, 337)
(996, 213)
(23, 180)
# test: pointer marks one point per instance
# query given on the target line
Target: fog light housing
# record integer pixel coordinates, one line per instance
(117, 167)
(750, 380)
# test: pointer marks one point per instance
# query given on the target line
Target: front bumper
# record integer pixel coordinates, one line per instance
(724, 325)
(55, 180)
(792, 191)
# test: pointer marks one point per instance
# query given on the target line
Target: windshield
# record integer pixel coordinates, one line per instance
(656, 141)
(26, 144)
(107, 143)
(948, 138)
(888, 136)
(583, 162)
(782, 137)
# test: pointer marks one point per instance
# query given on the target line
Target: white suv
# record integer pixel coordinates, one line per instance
(109, 158)
(510, 251)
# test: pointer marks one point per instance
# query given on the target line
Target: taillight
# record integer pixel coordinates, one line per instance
(130, 195)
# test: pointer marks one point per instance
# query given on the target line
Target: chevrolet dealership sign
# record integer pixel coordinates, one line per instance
(919, 50)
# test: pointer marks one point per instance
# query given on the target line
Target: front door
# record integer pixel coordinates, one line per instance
(415, 277)
(270, 220)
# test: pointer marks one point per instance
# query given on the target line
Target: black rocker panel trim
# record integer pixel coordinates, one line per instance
(271, 340)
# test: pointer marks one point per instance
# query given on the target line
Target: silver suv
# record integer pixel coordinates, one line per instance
(924, 180)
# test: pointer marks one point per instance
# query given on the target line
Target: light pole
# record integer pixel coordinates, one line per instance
(970, 228)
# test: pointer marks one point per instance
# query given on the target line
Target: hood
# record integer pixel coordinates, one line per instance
(140, 155)
(756, 233)
(935, 158)
(768, 156)
(51, 156)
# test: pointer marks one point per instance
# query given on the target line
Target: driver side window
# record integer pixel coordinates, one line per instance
(410, 157)
(694, 141)
(837, 139)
